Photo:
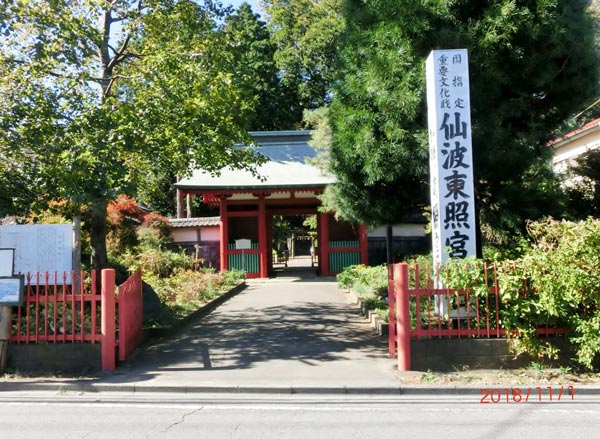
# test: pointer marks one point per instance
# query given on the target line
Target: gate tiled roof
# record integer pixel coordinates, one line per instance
(287, 152)
(194, 222)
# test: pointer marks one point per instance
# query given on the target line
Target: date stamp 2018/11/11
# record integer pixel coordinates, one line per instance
(529, 394)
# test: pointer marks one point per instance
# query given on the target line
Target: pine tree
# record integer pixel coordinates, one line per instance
(533, 63)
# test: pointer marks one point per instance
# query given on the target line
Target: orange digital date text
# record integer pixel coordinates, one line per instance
(529, 394)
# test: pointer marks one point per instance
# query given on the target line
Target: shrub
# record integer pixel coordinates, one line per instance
(186, 290)
(158, 223)
(124, 216)
(365, 281)
(556, 282)
(157, 262)
(561, 279)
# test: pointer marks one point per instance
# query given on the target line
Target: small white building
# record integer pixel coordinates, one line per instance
(574, 145)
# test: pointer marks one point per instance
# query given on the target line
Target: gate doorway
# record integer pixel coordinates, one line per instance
(294, 241)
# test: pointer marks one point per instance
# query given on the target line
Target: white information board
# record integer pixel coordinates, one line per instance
(450, 157)
(11, 290)
(7, 258)
(39, 247)
(243, 244)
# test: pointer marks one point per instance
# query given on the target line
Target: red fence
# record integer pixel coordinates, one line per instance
(67, 308)
(58, 308)
(418, 311)
(131, 315)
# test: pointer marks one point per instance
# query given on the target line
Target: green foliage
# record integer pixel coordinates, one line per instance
(469, 274)
(525, 59)
(252, 59)
(365, 281)
(379, 145)
(310, 224)
(307, 35)
(372, 303)
(86, 117)
(556, 283)
(233, 277)
(370, 284)
(186, 290)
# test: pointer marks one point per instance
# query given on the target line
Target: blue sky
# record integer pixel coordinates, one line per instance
(254, 3)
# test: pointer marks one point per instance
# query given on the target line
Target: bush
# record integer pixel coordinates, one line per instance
(561, 280)
(556, 282)
(365, 281)
(156, 262)
(124, 216)
(186, 290)
(157, 223)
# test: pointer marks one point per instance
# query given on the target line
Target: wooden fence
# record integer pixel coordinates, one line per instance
(414, 311)
(131, 315)
(67, 308)
(343, 254)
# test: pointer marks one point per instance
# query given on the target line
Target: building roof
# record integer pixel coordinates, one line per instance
(287, 152)
(572, 135)
(194, 222)
(575, 144)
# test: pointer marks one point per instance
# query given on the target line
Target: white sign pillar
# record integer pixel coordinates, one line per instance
(450, 156)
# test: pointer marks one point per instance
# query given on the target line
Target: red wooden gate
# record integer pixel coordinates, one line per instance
(131, 315)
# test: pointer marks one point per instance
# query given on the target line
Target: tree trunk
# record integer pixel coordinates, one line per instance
(98, 231)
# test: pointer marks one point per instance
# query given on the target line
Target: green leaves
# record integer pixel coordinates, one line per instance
(532, 63)
(556, 282)
(307, 35)
(90, 107)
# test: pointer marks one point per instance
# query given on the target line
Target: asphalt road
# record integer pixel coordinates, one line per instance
(52, 415)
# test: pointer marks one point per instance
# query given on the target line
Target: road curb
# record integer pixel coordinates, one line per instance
(271, 390)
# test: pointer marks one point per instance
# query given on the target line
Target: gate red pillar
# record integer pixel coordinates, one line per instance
(324, 244)
(269, 245)
(224, 235)
(363, 241)
(262, 237)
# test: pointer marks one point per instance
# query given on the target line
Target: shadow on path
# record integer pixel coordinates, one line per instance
(266, 328)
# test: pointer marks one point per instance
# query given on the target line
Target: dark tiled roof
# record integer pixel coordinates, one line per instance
(194, 222)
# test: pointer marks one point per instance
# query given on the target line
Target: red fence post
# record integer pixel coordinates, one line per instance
(402, 315)
(108, 320)
(392, 312)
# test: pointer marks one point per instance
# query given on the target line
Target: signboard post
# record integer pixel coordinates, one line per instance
(450, 159)
(11, 293)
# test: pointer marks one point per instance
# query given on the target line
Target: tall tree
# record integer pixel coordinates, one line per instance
(98, 94)
(307, 35)
(532, 64)
(253, 67)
